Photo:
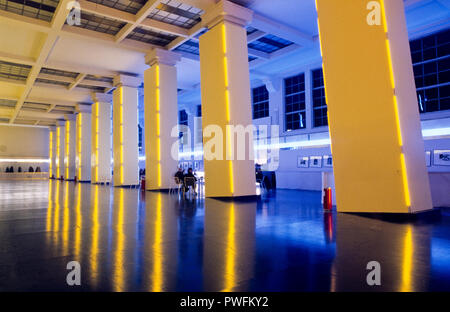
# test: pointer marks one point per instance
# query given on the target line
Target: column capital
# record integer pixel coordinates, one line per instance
(160, 56)
(69, 117)
(52, 128)
(225, 10)
(83, 108)
(127, 81)
(101, 97)
(272, 84)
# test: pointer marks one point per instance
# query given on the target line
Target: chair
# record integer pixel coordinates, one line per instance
(178, 185)
(189, 182)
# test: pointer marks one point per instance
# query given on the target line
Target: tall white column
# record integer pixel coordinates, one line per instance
(125, 131)
(377, 145)
(60, 148)
(83, 138)
(70, 148)
(52, 152)
(226, 101)
(101, 139)
(160, 98)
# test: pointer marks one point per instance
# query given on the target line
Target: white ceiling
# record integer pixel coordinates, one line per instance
(23, 39)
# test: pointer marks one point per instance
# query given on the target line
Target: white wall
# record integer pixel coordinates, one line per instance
(23, 142)
(289, 176)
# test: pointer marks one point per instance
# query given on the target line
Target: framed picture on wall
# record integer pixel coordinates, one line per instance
(315, 162)
(302, 162)
(441, 158)
(196, 165)
(428, 158)
(327, 161)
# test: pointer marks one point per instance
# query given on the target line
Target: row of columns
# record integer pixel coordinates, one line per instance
(225, 101)
(386, 165)
(73, 154)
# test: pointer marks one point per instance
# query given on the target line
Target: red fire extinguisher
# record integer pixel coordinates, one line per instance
(327, 199)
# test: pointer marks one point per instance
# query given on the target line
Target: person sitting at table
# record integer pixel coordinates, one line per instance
(190, 174)
(180, 175)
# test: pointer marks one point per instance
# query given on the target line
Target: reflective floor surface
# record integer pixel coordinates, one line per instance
(128, 240)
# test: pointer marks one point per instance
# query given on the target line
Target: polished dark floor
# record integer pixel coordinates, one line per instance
(128, 240)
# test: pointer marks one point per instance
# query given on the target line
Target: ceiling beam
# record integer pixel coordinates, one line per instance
(76, 82)
(141, 15)
(259, 54)
(199, 4)
(58, 20)
(131, 19)
(18, 59)
(194, 31)
(270, 26)
(255, 36)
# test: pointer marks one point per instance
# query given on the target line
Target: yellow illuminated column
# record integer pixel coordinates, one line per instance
(70, 148)
(226, 99)
(125, 131)
(101, 139)
(160, 100)
(378, 151)
(52, 152)
(83, 143)
(60, 149)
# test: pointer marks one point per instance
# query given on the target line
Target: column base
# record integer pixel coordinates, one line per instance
(128, 186)
(158, 190)
(426, 215)
(247, 198)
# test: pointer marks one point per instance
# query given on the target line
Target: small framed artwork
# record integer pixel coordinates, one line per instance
(428, 158)
(315, 162)
(327, 161)
(441, 158)
(302, 161)
(196, 165)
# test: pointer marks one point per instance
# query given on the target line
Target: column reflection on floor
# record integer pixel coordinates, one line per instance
(402, 250)
(229, 245)
(161, 242)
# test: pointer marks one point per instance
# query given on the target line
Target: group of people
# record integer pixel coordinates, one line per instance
(180, 175)
(19, 169)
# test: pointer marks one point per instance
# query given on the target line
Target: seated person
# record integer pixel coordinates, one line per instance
(190, 174)
(180, 175)
(259, 175)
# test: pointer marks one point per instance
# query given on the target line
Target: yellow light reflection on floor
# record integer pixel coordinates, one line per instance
(95, 238)
(230, 256)
(79, 225)
(408, 251)
(119, 272)
(66, 218)
(50, 207)
(56, 218)
(158, 253)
